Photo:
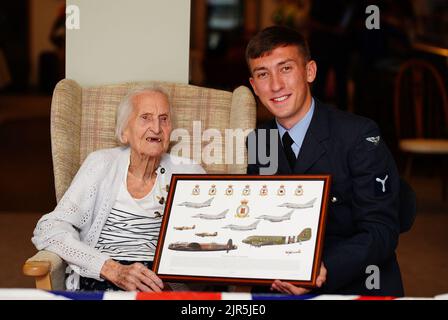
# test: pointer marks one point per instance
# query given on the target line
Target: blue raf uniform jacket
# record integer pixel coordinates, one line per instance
(362, 220)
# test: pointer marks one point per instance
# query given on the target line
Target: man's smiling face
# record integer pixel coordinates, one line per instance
(281, 80)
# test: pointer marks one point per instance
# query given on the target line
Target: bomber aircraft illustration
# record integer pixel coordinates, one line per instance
(258, 241)
(195, 246)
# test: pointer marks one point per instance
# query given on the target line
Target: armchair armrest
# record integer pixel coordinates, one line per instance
(48, 270)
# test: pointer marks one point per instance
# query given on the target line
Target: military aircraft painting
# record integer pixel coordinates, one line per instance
(197, 204)
(293, 252)
(236, 227)
(195, 246)
(185, 228)
(207, 234)
(258, 241)
(221, 215)
(276, 218)
(290, 205)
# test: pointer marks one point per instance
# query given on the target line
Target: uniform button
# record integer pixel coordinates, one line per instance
(334, 199)
(162, 170)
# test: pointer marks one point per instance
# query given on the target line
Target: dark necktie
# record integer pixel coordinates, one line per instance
(287, 143)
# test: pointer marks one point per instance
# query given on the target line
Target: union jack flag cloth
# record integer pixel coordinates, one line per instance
(36, 294)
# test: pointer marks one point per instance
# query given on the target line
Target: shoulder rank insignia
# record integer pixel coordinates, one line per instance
(374, 140)
(383, 182)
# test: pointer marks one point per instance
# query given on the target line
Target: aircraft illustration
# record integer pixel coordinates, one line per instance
(276, 218)
(222, 215)
(195, 246)
(197, 204)
(258, 241)
(293, 252)
(185, 228)
(236, 227)
(290, 205)
(207, 234)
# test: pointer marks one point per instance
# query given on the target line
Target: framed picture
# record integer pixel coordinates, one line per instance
(243, 229)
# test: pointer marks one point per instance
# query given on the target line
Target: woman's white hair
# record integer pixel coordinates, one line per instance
(126, 107)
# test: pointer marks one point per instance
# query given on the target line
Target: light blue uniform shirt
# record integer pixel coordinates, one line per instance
(298, 131)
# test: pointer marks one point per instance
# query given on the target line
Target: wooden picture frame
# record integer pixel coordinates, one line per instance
(243, 229)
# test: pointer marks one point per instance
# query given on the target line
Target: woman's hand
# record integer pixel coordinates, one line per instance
(134, 277)
(286, 287)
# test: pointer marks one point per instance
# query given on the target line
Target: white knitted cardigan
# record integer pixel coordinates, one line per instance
(73, 228)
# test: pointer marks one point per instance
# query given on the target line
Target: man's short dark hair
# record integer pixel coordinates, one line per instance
(274, 37)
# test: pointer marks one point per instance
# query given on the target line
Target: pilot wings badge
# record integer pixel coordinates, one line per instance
(374, 140)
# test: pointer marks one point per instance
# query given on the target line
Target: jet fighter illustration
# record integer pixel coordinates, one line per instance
(236, 227)
(290, 205)
(221, 215)
(276, 218)
(197, 204)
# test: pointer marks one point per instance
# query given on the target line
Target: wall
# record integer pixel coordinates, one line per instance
(129, 40)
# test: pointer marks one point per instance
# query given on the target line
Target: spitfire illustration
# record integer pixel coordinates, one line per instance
(236, 227)
(206, 234)
(195, 246)
(185, 228)
(290, 205)
(221, 215)
(196, 204)
(258, 241)
(276, 218)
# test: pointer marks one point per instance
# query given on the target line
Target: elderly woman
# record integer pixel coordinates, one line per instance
(107, 224)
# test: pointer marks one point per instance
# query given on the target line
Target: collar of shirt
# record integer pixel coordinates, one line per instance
(298, 131)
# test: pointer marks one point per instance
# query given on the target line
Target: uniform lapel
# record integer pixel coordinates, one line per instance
(312, 147)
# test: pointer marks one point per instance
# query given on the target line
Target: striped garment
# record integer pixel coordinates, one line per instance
(132, 228)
